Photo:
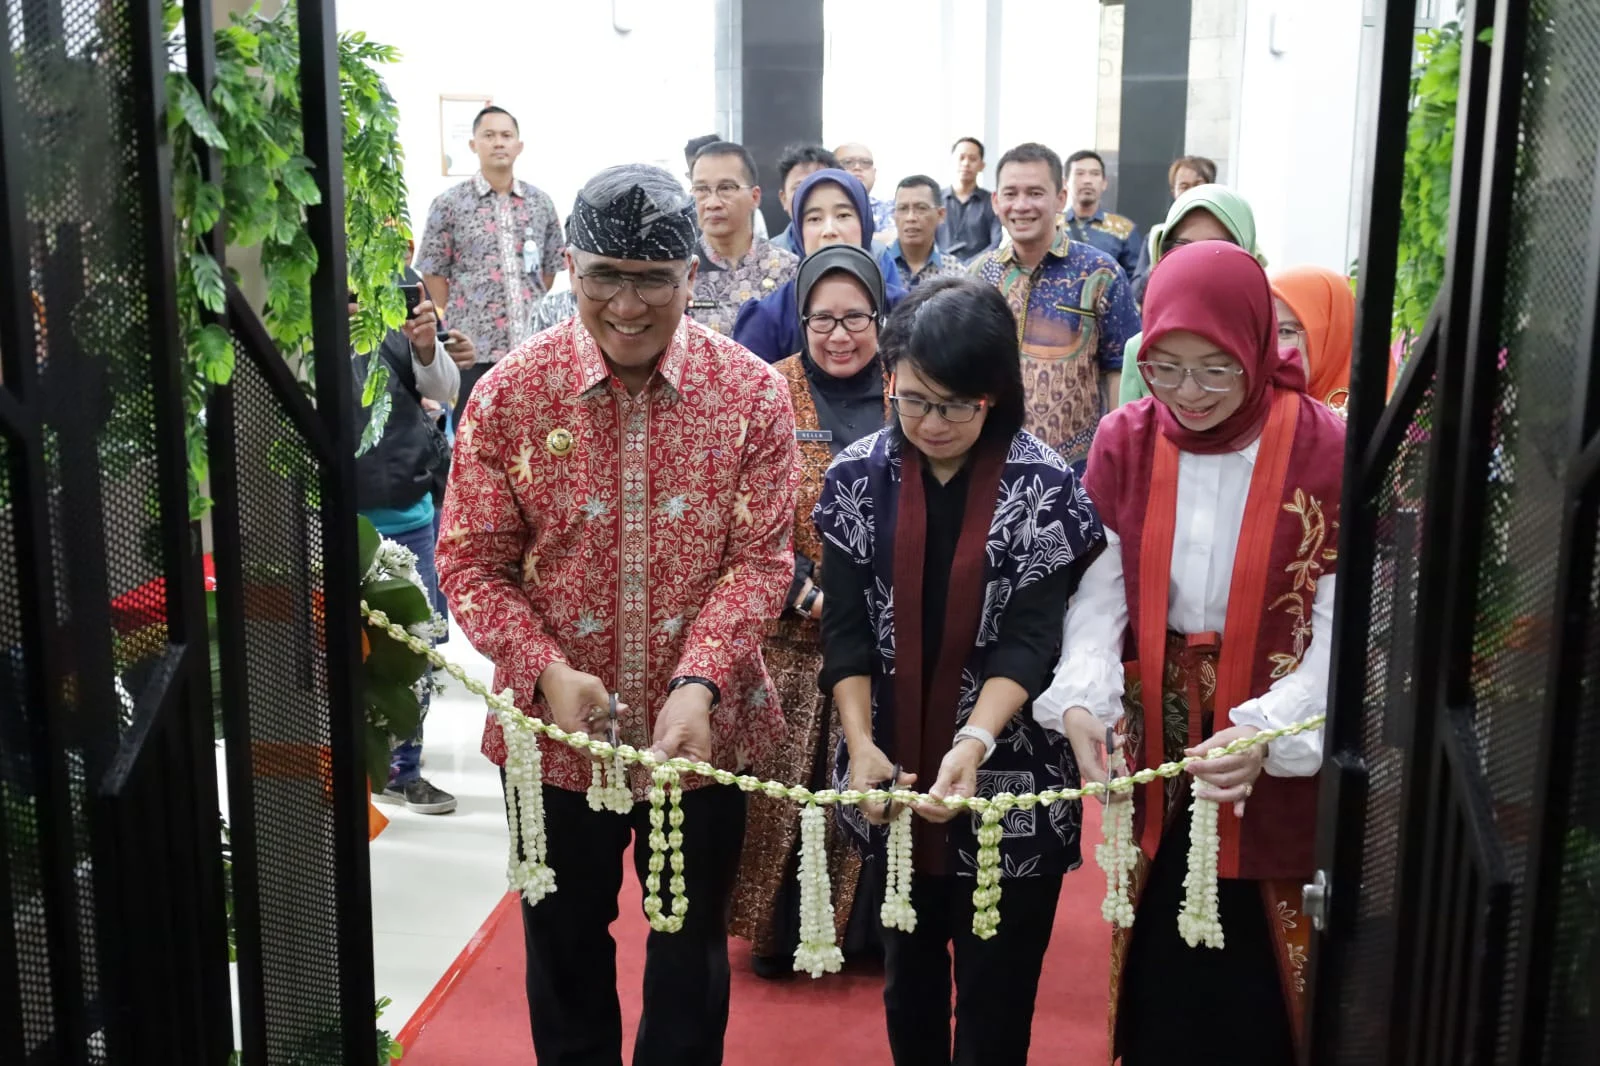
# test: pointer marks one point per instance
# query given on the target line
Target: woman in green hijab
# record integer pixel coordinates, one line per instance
(1203, 213)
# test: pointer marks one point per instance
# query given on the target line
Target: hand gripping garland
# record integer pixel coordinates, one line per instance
(529, 872)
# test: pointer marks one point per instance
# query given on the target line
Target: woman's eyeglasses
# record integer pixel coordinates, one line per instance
(823, 323)
(1290, 336)
(1171, 375)
(954, 412)
(602, 286)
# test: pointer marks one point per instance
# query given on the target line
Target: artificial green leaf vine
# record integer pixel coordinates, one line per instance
(254, 127)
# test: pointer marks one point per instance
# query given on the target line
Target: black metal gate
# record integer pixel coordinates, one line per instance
(1461, 815)
(113, 907)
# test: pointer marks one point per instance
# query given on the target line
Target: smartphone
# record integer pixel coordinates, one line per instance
(413, 294)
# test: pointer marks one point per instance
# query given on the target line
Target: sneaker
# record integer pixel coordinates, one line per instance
(419, 796)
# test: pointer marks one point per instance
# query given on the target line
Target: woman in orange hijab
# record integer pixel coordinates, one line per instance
(1317, 314)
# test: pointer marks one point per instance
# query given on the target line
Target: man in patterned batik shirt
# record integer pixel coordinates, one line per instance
(735, 266)
(1073, 303)
(491, 248)
(1090, 223)
(618, 521)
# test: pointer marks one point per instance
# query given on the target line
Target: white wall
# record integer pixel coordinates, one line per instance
(1297, 125)
(585, 95)
(907, 77)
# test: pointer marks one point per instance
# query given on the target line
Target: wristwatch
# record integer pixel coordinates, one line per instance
(679, 682)
(981, 735)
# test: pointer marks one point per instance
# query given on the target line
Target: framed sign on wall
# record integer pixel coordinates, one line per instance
(456, 112)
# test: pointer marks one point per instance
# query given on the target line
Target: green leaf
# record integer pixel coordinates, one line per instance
(377, 380)
(302, 186)
(390, 660)
(208, 284)
(207, 206)
(367, 538)
(213, 351)
(376, 421)
(398, 598)
(378, 759)
(194, 111)
(396, 703)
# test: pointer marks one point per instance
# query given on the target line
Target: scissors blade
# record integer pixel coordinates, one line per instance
(1111, 741)
(611, 721)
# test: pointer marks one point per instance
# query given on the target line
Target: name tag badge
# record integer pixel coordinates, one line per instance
(823, 435)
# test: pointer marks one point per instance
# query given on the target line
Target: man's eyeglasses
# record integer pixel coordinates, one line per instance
(853, 321)
(603, 286)
(955, 411)
(856, 163)
(914, 208)
(726, 190)
(1209, 378)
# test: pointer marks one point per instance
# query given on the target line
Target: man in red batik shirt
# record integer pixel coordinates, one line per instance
(618, 521)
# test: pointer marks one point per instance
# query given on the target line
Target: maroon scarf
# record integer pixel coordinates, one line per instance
(1219, 291)
(925, 722)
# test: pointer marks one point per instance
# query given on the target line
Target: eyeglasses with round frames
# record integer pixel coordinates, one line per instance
(956, 412)
(1171, 375)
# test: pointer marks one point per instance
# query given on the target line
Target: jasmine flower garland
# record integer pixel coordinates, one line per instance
(1200, 922)
(986, 895)
(896, 911)
(1117, 855)
(665, 779)
(817, 953)
(531, 875)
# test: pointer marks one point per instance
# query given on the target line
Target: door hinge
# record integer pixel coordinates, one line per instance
(1314, 900)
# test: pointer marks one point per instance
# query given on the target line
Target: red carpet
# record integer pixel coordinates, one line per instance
(477, 1014)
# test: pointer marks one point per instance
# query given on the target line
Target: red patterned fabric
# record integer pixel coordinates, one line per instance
(637, 539)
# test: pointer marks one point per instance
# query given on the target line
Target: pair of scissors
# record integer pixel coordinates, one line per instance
(611, 721)
(889, 786)
(1111, 742)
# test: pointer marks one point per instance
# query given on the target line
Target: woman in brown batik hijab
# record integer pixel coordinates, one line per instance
(837, 385)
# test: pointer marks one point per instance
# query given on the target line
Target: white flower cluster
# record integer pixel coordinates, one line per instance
(986, 896)
(608, 786)
(666, 781)
(531, 875)
(1117, 855)
(897, 912)
(1200, 922)
(395, 560)
(528, 869)
(817, 952)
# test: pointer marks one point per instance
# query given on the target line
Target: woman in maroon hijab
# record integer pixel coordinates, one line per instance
(1209, 618)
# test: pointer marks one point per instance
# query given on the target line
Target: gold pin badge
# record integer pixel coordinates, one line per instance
(559, 443)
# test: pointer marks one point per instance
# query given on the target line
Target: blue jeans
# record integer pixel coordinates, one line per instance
(404, 760)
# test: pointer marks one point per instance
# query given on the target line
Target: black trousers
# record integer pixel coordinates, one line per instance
(469, 378)
(572, 960)
(996, 980)
(1200, 1006)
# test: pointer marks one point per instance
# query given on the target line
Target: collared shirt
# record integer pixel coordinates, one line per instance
(969, 229)
(1116, 235)
(721, 287)
(1074, 315)
(1212, 491)
(939, 264)
(636, 538)
(492, 247)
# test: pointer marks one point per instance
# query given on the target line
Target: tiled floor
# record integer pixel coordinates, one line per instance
(436, 878)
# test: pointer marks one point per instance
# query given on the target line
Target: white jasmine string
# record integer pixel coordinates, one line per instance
(896, 911)
(1200, 920)
(818, 952)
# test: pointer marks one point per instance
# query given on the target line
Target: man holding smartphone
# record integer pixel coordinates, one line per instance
(491, 248)
(398, 480)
